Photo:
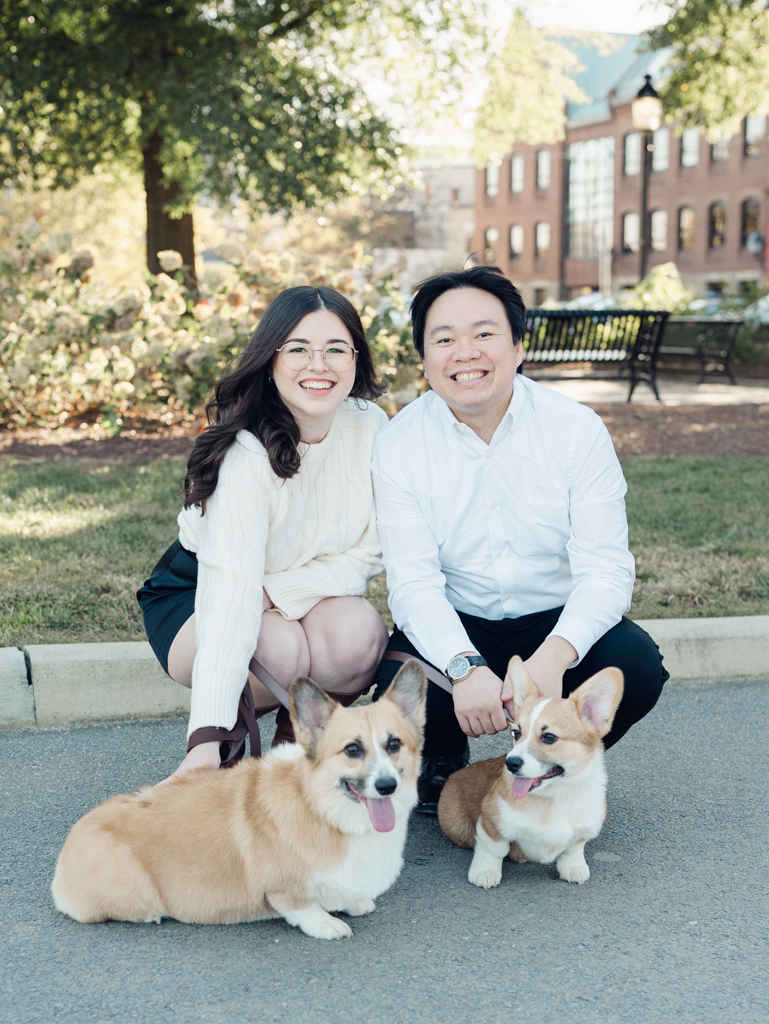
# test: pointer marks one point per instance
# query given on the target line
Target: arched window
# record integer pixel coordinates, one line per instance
(661, 153)
(631, 232)
(659, 230)
(516, 241)
(717, 226)
(751, 219)
(632, 153)
(543, 168)
(686, 228)
(490, 244)
(492, 179)
(542, 239)
(516, 173)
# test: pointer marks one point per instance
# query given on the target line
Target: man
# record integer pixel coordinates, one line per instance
(500, 508)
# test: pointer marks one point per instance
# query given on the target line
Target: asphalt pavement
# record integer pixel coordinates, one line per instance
(672, 925)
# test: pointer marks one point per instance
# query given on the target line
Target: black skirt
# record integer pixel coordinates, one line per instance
(167, 598)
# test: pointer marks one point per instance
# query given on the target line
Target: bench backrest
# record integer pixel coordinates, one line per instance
(561, 336)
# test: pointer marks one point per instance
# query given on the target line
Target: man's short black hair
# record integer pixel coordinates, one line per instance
(488, 279)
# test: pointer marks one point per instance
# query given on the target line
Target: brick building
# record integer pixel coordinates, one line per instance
(564, 219)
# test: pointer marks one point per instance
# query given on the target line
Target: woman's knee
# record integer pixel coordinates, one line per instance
(347, 638)
(283, 645)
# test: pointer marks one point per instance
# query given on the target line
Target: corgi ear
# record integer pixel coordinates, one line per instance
(409, 692)
(597, 699)
(310, 709)
(522, 684)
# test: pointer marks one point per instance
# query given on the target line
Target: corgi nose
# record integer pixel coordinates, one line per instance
(514, 764)
(385, 786)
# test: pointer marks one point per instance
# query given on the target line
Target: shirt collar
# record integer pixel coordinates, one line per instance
(506, 424)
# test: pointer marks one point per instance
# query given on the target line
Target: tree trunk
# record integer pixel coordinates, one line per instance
(164, 232)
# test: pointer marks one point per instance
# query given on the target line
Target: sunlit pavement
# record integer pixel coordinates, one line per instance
(673, 391)
(671, 927)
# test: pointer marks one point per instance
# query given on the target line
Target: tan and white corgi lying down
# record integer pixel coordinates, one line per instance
(547, 797)
(312, 827)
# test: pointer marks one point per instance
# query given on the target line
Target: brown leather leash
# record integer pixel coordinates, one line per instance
(431, 672)
(246, 724)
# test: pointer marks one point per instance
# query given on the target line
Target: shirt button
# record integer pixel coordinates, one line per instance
(506, 597)
(493, 504)
(489, 455)
(497, 554)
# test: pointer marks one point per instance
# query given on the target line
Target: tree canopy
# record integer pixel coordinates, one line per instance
(247, 98)
(719, 66)
(531, 80)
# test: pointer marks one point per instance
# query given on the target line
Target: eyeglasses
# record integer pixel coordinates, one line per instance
(337, 356)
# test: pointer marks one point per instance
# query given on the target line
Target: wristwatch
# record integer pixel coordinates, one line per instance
(460, 666)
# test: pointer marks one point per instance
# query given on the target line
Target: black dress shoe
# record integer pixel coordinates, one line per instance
(432, 778)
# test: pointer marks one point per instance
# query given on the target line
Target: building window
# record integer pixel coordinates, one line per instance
(590, 202)
(690, 147)
(751, 219)
(490, 244)
(661, 153)
(686, 228)
(542, 239)
(632, 153)
(492, 179)
(755, 130)
(659, 230)
(717, 226)
(455, 196)
(631, 232)
(516, 173)
(516, 241)
(543, 168)
(719, 151)
(540, 294)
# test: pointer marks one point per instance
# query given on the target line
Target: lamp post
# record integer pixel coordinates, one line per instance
(647, 117)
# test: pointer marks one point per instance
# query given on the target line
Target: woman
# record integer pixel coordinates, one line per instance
(277, 538)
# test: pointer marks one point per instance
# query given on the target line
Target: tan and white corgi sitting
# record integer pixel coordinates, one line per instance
(312, 827)
(547, 797)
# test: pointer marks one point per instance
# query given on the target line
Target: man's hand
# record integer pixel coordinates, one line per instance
(548, 663)
(478, 702)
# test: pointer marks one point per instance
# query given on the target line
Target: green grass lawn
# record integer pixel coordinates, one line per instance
(78, 537)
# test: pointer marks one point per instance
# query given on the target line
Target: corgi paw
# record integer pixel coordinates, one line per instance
(326, 927)
(516, 855)
(360, 908)
(484, 877)
(577, 872)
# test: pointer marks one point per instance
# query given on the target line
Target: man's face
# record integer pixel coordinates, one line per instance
(470, 359)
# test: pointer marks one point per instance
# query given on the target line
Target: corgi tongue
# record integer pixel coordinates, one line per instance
(522, 786)
(382, 813)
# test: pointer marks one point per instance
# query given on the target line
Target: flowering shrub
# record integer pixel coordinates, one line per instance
(67, 348)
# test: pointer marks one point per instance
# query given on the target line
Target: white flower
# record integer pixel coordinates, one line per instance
(202, 312)
(68, 328)
(128, 302)
(170, 260)
(123, 389)
(20, 373)
(184, 387)
(83, 260)
(124, 368)
(139, 349)
(156, 351)
(228, 251)
(213, 280)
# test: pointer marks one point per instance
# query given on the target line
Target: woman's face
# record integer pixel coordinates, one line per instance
(312, 394)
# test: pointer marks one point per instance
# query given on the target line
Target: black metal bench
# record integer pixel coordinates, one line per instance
(708, 340)
(627, 339)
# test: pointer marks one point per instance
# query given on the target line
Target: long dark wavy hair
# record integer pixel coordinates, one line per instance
(245, 397)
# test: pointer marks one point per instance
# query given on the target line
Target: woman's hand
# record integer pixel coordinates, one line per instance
(201, 756)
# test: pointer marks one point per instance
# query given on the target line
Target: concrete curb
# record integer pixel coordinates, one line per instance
(59, 684)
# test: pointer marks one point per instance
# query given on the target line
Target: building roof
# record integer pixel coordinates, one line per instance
(611, 74)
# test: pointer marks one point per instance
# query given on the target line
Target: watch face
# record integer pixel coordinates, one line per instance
(458, 667)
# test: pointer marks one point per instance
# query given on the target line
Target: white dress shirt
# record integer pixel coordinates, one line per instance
(532, 521)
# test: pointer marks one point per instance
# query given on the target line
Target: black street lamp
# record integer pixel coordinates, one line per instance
(647, 117)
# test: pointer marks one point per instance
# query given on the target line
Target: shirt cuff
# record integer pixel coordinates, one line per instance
(579, 635)
(441, 651)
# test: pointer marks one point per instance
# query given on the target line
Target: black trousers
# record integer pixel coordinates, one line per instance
(626, 646)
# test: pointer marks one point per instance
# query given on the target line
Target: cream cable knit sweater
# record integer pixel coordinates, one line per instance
(302, 539)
